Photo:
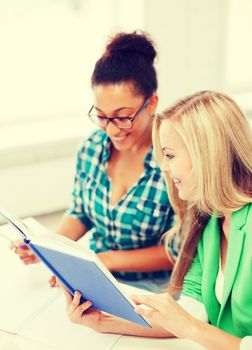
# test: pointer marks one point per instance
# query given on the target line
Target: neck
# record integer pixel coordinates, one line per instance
(227, 218)
(226, 222)
(142, 144)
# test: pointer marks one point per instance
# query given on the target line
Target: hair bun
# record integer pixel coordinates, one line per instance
(131, 44)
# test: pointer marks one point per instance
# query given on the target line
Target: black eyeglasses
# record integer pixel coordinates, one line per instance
(119, 122)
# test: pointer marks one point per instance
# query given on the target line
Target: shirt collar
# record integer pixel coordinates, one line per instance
(150, 161)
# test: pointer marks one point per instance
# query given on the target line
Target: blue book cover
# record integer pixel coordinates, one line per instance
(80, 270)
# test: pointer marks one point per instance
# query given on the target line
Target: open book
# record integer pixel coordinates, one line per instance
(78, 269)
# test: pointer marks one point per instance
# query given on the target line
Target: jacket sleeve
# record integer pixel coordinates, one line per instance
(192, 280)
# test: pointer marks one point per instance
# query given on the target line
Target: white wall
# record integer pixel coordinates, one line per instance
(190, 37)
(34, 189)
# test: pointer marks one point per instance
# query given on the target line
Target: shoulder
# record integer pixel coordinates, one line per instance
(93, 144)
(150, 161)
(91, 150)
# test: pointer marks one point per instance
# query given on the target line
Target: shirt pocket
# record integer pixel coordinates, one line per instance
(150, 220)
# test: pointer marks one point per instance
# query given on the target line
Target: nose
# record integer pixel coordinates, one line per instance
(111, 129)
(164, 165)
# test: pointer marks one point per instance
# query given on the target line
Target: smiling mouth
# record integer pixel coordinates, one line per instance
(177, 182)
(119, 138)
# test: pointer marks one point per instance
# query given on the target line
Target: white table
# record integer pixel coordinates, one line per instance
(33, 317)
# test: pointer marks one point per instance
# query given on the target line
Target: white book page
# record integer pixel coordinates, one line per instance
(52, 327)
(63, 244)
(10, 234)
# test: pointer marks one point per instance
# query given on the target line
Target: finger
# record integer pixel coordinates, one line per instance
(68, 296)
(53, 284)
(22, 246)
(134, 299)
(24, 253)
(83, 307)
(79, 313)
(52, 281)
(12, 245)
(153, 301)
(75, 302)
(56, 282)
(150, 314)
(16, 244)
(27, 257)
(28, 261)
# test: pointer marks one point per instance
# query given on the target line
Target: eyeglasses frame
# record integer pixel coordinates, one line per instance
(131, 119)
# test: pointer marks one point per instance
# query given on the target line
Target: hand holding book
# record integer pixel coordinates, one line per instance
(24, 253)
(78, 269)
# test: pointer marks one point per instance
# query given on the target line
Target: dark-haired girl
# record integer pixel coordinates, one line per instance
(119, 193)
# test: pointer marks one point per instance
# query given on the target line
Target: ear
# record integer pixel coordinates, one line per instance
(152, 104)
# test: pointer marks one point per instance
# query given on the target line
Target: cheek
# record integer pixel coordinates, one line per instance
(176, 167)
(185, 166)
(180, 169)
(142, 123)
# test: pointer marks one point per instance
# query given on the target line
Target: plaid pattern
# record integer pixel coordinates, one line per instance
(140, 217)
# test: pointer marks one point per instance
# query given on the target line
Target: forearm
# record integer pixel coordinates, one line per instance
(137, 260)
(116, 325)
(213, 338)
(71, 227)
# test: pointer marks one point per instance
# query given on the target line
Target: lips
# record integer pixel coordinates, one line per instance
(177, 182)
(119, 138)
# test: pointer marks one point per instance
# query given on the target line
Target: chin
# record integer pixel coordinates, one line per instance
(125, 146)
(121, 148)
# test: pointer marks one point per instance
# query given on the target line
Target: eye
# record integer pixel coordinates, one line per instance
(123, 117)
(100, 116)
(169, 156)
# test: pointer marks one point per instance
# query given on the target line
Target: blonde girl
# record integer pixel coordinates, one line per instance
(204, 147)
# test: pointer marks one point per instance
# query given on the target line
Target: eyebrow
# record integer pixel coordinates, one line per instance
(167, 148)
(116, 110)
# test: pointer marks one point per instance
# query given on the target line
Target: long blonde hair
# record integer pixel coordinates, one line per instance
(219, 140)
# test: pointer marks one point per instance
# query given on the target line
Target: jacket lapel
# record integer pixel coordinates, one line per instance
(211, 243)
(235, 247)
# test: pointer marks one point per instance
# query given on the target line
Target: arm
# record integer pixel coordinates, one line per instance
(213, 338)
(137, 260)
(180, 323)
(85, 315)
(72, 228)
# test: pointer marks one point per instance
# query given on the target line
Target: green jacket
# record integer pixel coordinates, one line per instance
(235, 314)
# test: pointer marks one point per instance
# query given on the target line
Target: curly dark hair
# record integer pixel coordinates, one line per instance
(128, 58)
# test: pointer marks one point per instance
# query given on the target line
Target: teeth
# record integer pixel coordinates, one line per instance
(118, 138)
(176, 181)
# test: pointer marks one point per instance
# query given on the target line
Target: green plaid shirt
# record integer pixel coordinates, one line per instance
(140, 217)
